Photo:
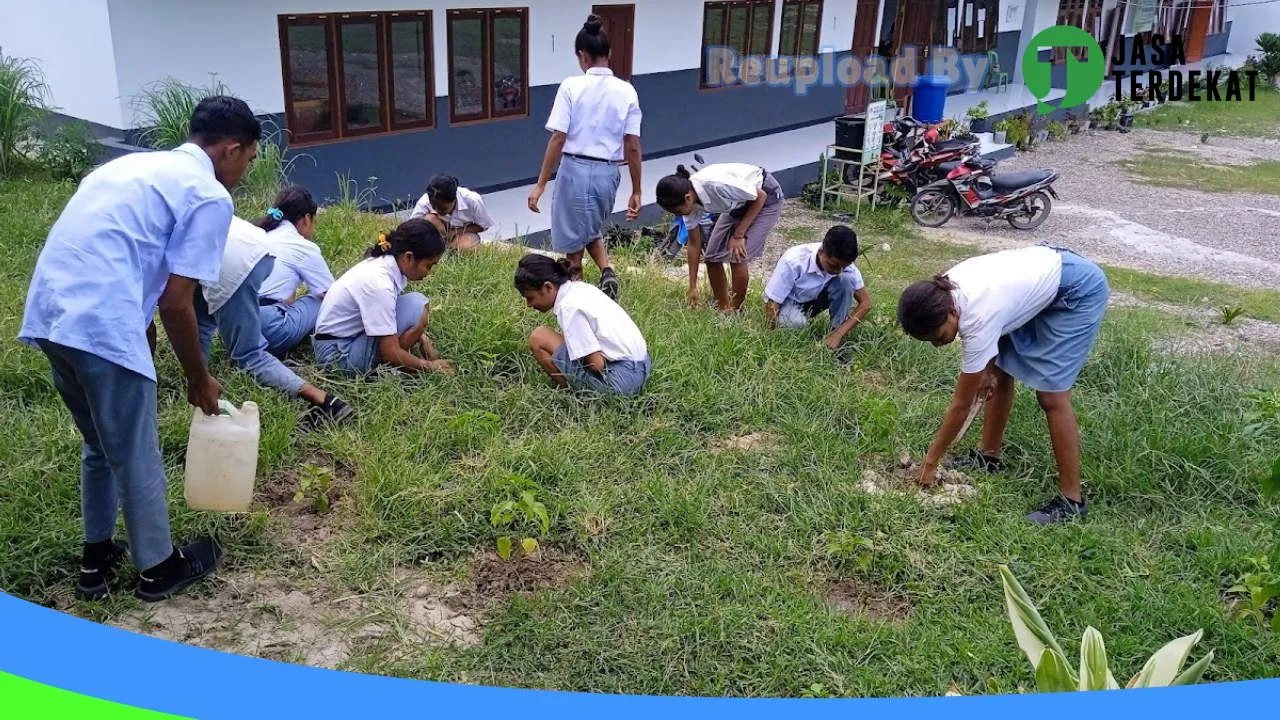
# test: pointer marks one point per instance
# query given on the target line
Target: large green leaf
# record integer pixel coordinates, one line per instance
(1271, 483)
(1193, 674)
(1053, 674)
(1094, 673)
(1028, 627)
(1167, 662)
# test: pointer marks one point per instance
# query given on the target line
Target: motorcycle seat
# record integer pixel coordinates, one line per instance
(1016, 180)
(947, 167)
(953, 144)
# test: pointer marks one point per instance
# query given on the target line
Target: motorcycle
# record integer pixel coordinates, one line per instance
(912, 155)
(974, 189)
(678, 236)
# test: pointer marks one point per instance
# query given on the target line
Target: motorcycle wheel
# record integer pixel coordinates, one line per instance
(932, 208)
(1036, 207)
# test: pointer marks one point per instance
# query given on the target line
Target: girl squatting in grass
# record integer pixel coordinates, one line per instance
(457, 212)
(749, 201)
(1032, 315)
(365, 321)
(595, 121)
(601, 349)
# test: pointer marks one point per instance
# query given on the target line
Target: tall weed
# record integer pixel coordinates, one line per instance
(164, 109)
(24, 98)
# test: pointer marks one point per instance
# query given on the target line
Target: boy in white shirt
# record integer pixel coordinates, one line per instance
(816, 277)
(457, 212)
(601, 349)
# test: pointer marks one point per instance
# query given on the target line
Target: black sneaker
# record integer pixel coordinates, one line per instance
(332, 412)
(98, 565)
(1060, 509)
(185, 566)
(609, 283)
(975, 460)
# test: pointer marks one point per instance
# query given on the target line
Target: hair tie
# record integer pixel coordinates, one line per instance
(382, 241)
(275, 214)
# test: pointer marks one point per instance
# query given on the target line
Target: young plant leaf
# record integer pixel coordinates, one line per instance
(1028, 627)
(504, 547)
(1166, 663)
(529, 545)
(1193, 674)
(1271, 483)
(1052, 673)
(1094, 673)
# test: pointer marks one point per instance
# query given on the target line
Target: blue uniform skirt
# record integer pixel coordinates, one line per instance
(582, 201)
(1048, 352)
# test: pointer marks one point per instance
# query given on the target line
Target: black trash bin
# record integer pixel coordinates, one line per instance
(850, 131)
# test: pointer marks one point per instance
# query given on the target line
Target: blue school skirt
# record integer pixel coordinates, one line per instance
(1048, 352)
(621, 377)
(583, 200)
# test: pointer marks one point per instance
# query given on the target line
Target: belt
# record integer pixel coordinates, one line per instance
(588, 158)
(324, 336)
(267, 302)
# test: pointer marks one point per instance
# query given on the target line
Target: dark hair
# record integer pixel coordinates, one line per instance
(841, 243)
(592, 39)
(923, 307)
(535, 270)
(673, 189)
(221, 118)
(443, 187)
(292, 203)
(417, 236)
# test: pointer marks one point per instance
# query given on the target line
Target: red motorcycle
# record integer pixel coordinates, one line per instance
(913, 155)
(973, 189)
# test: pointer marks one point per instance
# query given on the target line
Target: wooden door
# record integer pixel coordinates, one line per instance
(1197, 29)
(619, 25)
(865, 32)
(914, 28)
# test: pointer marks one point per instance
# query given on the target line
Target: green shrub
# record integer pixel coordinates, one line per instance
(1269, 64)
(24, 100)
(164, 110)
(1057, 130)
(69, 152)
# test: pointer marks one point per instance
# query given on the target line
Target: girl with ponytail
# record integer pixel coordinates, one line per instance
(457, 212)
(287, 319)
(1032, 315)
(594, 123)
(366, 321)
(749, 202)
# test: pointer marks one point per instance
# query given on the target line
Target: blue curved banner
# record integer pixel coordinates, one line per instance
(49, 649)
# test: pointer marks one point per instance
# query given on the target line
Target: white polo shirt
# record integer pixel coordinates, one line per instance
(595, 110)
(998, 293)
(363, 300)
(799, 278)
(724, 187)
(245, 248)
(591, 322)
(468, 210)
(298, 260)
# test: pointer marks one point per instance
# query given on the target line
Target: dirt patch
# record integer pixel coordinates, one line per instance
(493, 580)
(951, 487)
(864, 601)
(744, 443)
(312, 497)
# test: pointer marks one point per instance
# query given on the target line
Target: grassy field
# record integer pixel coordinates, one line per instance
(1256, 119)
(1173, 170)
(713, 522)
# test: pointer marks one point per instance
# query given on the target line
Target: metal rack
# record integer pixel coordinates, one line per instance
(868, 172)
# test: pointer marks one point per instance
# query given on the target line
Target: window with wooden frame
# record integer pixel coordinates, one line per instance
(1218, 17)
(1084, 14)
(356, 74)
(745, 26)
(801, 27)
(488, 64)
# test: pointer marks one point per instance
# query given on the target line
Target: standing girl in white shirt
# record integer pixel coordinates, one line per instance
(750, 203)
(601, 349)
(595, 120)
(1031, 314)
(364, 320)
(457, 212)
(290, 223)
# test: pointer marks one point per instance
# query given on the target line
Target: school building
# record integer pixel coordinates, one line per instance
(399, 91)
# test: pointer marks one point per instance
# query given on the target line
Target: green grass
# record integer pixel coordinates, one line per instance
(1259, 304)
(707, 569)
(1257, 119)
(1172, 170)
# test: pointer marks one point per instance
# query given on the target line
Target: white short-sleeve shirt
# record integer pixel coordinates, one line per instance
(998, 293)
(246, 246)
(133, 222)
(595, 111)
(798, 277)
(591, 322)
(298, 260)
(363, 300)
(725, 187)
(468, 210)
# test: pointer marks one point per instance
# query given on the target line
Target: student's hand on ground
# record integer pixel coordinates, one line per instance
(927, 475)
(832, 342)
(444, 367)
(738, 248)
(694, 297)
(633, 206)
(534, 196)
(205, 394)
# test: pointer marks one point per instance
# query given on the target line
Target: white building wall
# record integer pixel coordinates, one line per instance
(1036, 16)
(1248, 22)
(239, 39)
(71, 41)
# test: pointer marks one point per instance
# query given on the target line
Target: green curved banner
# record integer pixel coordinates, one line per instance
(22, 699)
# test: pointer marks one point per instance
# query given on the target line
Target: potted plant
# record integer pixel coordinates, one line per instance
(1073, 124)
(1110, 113)
(999, 132)
(1095, 118)
(978, 117)
(1126, 115)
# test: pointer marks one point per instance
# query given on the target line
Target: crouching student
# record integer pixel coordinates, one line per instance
(230, 306)
(290, 224)
(1031, 314)
(817, 277)
(457, 212)
(364, 319)
(601, 348)
(749, 201)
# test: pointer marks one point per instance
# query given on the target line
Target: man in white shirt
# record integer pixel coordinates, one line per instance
(817, 277)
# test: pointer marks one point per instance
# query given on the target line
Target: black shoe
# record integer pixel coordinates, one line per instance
(975, 460)
(1060, 509)
(609, 283)
(185, 566)
(98, 565)
(332, 412)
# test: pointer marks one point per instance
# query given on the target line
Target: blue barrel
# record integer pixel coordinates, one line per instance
(930, 98)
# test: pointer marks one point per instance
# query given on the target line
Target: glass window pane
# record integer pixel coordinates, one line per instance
(738, 29)
(309, 79)
(761, 29)
(713, 28)
(790, 21)
(362, 90)
(508, 64)
(809, 29)
(466, 64)
(409, 71)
